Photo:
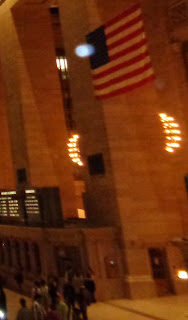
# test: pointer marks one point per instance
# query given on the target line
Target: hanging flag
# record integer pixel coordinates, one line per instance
(121, 61)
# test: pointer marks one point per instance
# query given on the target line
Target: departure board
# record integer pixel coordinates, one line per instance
(31, 202)
(31, 206)
(9, 205)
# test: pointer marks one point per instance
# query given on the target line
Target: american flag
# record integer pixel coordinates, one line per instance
(121, 61)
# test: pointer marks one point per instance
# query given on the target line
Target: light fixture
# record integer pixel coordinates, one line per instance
(61, 63)
(182, 274)
(74, 151)
(172, 134)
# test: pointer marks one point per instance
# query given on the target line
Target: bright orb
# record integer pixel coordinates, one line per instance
(2, 315)
(182, 274)
(85, 50)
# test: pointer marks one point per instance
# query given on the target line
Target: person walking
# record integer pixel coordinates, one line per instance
(91, 288)
(38, 310)
(69, 296)
(53, 313)
(62, 308)
(82, 301)
(44, 294)
(36, 290)
(53, 291)
(24, 312)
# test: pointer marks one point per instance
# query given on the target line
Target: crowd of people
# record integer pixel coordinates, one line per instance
(54, 301)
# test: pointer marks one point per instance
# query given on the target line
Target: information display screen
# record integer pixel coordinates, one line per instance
(31, 202)
(34, 207)
(9, 205)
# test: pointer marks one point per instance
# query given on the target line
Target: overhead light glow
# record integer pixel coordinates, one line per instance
(172, 134)
(182, 274)
(169, 149)
(61, 63)
(176, 131)
(74, 151)
(176, 138)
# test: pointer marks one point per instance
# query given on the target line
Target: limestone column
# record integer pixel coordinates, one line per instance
(88, 114)
(43, 114)
(7, 176)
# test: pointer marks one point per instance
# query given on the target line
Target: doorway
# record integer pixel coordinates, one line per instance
(68, 258)
(160, 271)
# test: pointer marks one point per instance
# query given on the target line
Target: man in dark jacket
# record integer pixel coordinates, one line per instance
(24, 313)
(69, 295)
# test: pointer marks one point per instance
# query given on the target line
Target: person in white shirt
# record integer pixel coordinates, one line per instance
(38, 310)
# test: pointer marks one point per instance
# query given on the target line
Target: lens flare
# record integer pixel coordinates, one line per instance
(2, 315)
(84, 50)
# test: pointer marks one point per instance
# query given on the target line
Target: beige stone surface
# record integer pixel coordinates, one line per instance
(148, 183)
(168, 308)
(33, 102)
(143, 191)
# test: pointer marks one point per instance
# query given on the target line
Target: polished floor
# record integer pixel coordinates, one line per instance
(166, 308)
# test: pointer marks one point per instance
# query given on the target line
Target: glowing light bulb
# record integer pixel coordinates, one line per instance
(176, 131)
(182, 274)
(74, 152)
(175, 145)
(162, 115)
(175, 125)
(176, 138)
(169, 149)
(172, 134)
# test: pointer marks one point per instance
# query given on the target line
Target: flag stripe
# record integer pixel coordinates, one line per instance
(122, 65)
(123, 59)
(123, 77)
(125, 33)
(126, 82)
(124, 39)
(123, 21)
(136, 46)
(123, 28)
(122, 62)
(123, 15)
(127, 44)
(123, 71)
(126, 88)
